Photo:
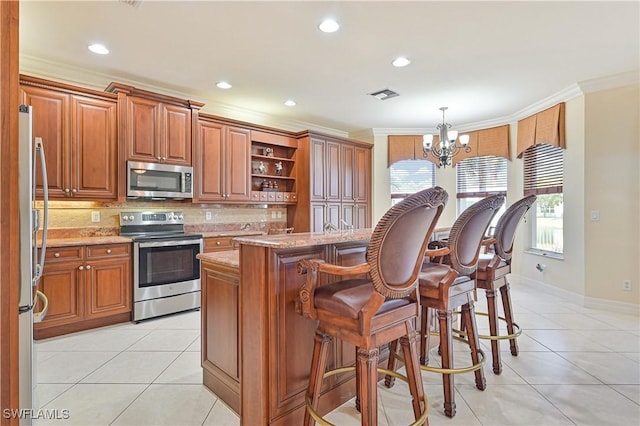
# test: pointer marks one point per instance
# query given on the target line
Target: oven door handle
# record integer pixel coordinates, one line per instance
(169, 243)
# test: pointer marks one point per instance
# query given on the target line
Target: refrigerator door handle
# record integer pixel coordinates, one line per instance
(39, 316)
(45, 222)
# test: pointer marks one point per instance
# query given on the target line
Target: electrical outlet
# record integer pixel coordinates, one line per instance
(595, 215)
(626, 285)
(273, 214)
(95, 216)
(279, 214)
(207, 215)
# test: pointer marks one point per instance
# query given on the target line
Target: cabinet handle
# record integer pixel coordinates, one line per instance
(88, 266)
(81, 267)
(56, 254)
(108, 251)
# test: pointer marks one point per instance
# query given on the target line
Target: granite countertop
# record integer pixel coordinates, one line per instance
(87, 241)
(225, 258)
(306, 239)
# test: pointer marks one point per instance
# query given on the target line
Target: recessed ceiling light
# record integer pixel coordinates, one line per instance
(400, 62)
(223, 85)
(290, 103)
(329, 26)
(100, 49)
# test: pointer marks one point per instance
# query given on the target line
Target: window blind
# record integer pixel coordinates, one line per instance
(481, 176)
(410, 176)
(543, 170)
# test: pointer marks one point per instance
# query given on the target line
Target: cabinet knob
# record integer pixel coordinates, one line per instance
(66, 190)
(164, 158)
(81, 268)
(217, 243)
(88, 266)
(108, 251)
(56, 254)
(74, 190)
(159, 158)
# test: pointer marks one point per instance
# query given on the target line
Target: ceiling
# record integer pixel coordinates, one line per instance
(484, 60)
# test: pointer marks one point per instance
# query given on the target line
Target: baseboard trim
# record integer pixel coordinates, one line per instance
(580, 299)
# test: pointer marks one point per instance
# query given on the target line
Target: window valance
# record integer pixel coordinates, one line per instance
(545, 127)
(493, 141)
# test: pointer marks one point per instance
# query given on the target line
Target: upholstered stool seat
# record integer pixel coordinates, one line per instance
(491, 276)
(370, 312)
(444, 287)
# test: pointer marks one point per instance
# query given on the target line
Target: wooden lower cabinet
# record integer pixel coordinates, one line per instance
(220, 343)
(256, 347)
(86, 286)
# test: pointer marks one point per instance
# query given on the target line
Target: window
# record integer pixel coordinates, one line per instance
(479, 177)
(410, 176)
(543, 176)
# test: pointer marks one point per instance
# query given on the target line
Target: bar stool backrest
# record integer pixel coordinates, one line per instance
(507, 224)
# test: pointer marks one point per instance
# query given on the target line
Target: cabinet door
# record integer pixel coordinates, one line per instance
(62, 283)
(108, 287)
(317, 173)
(332, 171)
(362, 216)
(176, 135)
(362, 175)
(333, 215)
(237, 164)
(51, 123)
(143, 130)
(317, 217)
(347, 170)
(209, 167)
(94, 155)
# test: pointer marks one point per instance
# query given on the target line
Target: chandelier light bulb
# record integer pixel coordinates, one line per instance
(447, 146)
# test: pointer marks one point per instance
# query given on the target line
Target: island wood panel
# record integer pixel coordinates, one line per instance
(220, 339)
(277, 342)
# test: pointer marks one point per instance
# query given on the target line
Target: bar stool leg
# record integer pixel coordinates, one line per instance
(508, 315)
(357, 388)
(408, 344)
(318, 365)
(367, 363)
(474, 343)
(392, 365)
(493, 329)
(446, 350)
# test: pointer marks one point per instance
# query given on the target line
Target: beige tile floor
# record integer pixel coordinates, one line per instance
(577, 366)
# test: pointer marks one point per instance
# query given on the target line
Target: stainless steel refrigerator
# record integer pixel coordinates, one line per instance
(31, 164)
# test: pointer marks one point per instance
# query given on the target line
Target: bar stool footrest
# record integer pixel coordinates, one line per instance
(320, 420)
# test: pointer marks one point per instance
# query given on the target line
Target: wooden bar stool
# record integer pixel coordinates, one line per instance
(445, 287)
(372, 311)
(491, 276)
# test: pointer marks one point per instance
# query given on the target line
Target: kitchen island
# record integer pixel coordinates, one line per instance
(256, 347)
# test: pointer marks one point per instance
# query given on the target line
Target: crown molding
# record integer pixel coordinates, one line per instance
(631, 78)
(92, 79)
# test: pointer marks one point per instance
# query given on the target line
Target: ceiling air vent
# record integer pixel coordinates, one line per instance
(134, 3)
(384, 94)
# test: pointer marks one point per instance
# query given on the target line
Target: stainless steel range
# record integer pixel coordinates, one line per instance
(166, 273)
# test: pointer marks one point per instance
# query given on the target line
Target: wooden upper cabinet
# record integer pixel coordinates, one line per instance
(51, 123)
(94, 148)
(362, 175)
(325, 170)
(222, 163)
(158, 132)
(79, 135)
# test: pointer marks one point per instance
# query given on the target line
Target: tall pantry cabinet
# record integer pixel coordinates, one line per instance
(339, 182)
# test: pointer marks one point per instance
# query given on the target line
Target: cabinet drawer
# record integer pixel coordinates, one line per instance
(108, 250)
(255, 195)
(218, 243)
(60, 254)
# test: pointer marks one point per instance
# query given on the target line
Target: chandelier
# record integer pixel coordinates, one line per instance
(446, 147)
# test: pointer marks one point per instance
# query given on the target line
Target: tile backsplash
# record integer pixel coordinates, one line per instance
(74, 218)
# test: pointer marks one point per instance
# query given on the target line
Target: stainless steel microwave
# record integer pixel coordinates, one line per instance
(159, 181)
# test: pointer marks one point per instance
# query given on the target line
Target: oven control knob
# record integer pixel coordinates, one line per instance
(125, 218)
(180, 217)
(131, 217)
